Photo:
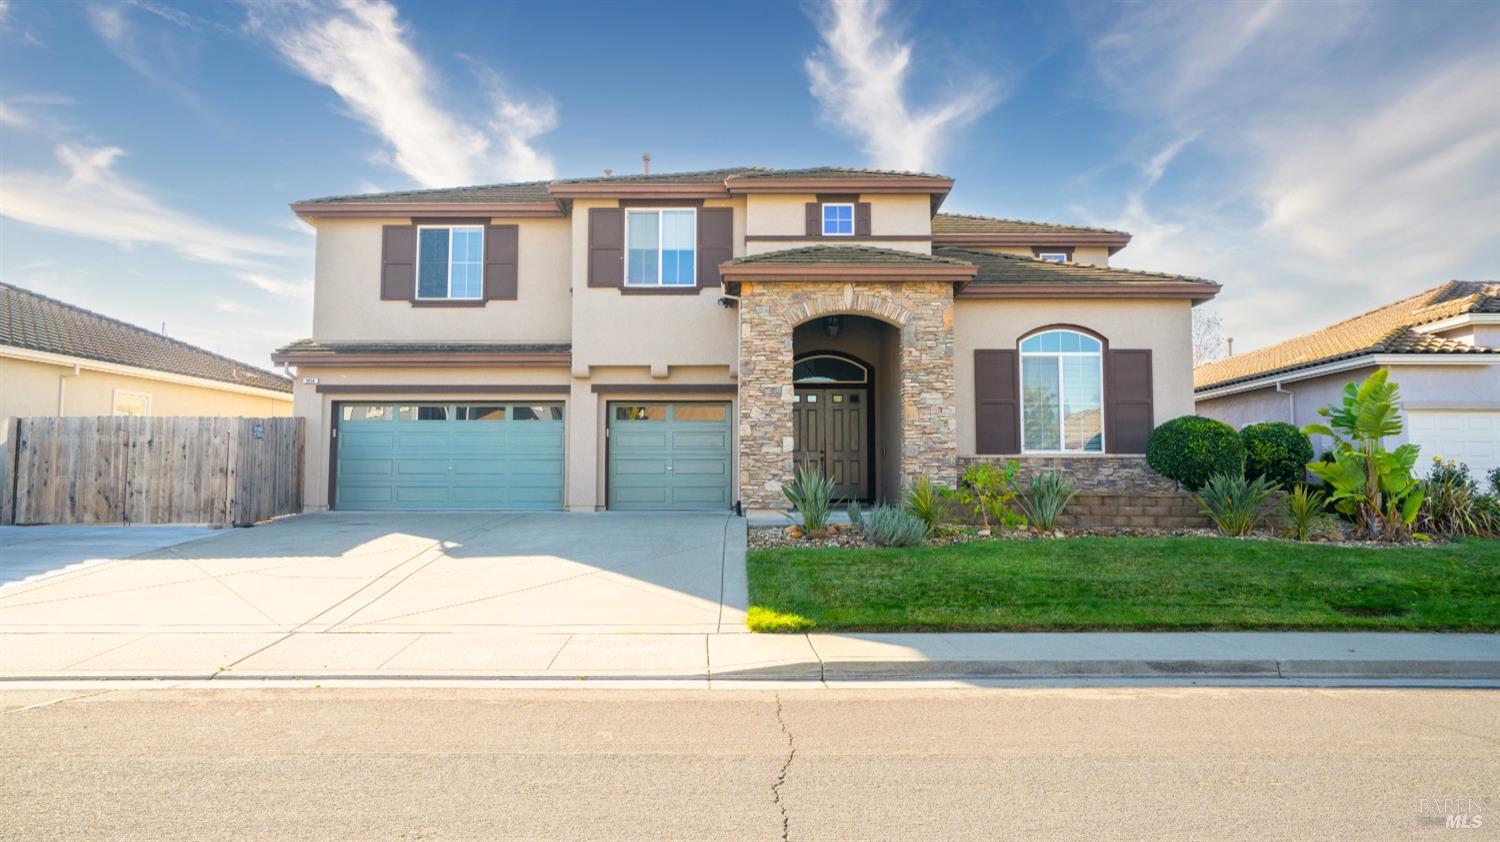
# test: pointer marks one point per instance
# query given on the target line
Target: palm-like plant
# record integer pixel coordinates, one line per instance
(1374, 487)
(1045, 499)
(811, 495)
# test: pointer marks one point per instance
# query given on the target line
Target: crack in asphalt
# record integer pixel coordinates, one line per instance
(786, 821)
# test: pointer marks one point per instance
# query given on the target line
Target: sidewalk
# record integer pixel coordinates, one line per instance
(1268, 656)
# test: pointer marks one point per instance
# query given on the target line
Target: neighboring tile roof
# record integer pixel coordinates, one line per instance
(1387, 330)
(845, 255)
(310, 346)
(536, 191)
(1016, 269)
(35, 322)
(963, 223)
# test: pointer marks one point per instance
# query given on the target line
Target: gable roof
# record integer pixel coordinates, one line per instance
(35, 322)
(1391, 329)
(1015, 276)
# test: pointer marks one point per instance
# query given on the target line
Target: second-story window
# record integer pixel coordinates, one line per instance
(1053, 256)
(838, 219)
(662, 248)
(450, 262)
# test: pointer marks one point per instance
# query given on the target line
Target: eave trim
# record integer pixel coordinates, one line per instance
(1194, 291)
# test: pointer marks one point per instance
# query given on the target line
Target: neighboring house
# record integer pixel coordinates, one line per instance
(1441, 346)
(57, 359)
(678, 341)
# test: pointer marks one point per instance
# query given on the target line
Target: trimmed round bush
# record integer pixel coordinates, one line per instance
(1190, 449)
(1277, 451)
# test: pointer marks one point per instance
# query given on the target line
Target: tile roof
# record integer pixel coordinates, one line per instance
(35, 322)
(536, 191)
(310, 346)
(963, 223)
(844, 256)
(1017, 269)
(1387, 330)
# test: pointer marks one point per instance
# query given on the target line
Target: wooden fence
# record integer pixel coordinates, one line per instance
(152, 470)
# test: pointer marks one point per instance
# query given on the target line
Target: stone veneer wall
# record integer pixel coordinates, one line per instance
(770, 311)
(1103, 473)
(1114, 492)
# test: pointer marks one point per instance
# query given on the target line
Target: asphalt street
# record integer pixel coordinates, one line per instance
(438, 763)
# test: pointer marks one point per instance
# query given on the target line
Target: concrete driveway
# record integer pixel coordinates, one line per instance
(357, 590)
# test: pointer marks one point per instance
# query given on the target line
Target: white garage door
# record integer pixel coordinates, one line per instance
(1471, 437)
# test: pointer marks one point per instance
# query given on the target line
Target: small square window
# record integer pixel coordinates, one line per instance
(700, 412)
(641, 412)
(1053, 256)
(369, 412)
(132, 404)
(838, 220)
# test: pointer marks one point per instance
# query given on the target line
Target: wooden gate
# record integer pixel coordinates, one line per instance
(154, 470)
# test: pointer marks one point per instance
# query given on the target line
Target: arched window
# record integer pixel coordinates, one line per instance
(828, 369)
(1062, 393)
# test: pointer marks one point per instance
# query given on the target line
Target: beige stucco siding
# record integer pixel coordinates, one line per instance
(611, 327)
(890, 216)
(1164, 327)
(1092, 255)
(347, 305)
(29, 388)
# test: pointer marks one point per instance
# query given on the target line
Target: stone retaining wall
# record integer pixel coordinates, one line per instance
(1103, 473)
(1115, 510)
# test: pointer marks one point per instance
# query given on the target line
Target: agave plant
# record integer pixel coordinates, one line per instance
(1045, 499)
(1304, 505)
(929, 503)
(1234, 505)
(811, 496)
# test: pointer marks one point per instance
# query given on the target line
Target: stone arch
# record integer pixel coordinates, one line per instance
(879, 307)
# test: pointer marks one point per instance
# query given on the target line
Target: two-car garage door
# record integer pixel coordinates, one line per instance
(1468, 436)
(450, 456)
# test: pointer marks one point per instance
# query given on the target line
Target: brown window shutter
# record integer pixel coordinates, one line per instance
(398, 262)
(501, 250)
(814, 220)
(715, 243)
(1127, 391)
(861, 219)
(997, 408)
(606, 247)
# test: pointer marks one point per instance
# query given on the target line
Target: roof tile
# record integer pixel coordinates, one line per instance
(844, 256)
(1016, 269)
(963, 223)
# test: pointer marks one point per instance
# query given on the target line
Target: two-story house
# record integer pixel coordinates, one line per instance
(681, 340)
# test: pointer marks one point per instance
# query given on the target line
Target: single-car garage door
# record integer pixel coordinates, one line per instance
(669, 455)
(450, 456)
(1468, 436)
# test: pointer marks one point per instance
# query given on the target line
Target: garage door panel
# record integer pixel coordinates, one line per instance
(675, 456)
(1468, 436)
(700, 440)
(450, 461)
(714, 470)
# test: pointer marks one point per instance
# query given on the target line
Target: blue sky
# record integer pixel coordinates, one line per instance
(1317, 158)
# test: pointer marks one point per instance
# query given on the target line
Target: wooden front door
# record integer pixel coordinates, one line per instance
(831, 428)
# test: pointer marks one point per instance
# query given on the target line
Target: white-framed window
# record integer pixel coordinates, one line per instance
(661, 247)
(133, 404)
(838, 219)
(450, 262)
(1062, 393)
(1053, 256)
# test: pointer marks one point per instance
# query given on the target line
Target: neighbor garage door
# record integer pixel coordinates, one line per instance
(669, 455)
(1468, 436)
(450, 456)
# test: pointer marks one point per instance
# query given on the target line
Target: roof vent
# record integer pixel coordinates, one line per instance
(646, 163)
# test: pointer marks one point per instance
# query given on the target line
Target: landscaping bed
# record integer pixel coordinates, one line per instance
(1137, 584)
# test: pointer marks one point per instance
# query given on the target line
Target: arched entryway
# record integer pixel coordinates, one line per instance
(846, 389)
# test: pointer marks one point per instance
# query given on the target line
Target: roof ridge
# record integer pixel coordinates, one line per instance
(421, 190)
(141, 330)
(1087, 266)
(1017, 219)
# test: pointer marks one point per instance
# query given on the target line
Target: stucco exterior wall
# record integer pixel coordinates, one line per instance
(31, 389)
(777, 215)
(346, 295)
(1165, 327)
(1092, 255)
(611, 327)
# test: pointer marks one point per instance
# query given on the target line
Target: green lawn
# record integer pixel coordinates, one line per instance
(1141, 584)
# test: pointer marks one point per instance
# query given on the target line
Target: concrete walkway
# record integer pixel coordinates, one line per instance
(27, 552)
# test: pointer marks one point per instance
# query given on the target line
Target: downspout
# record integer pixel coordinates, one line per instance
(62, 388)
(1291, 404)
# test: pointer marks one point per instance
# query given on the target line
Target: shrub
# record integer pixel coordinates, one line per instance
(929, 503)
(1045, 499)
(1190, 449)
(988, 490)
(1277, 451)
(1487, 514)
(856, 517)
(1371, 486)
(1304, 506)
(1449, 495)
(1234, 504)
(811, 494)
(1495, 481)
(890, 526)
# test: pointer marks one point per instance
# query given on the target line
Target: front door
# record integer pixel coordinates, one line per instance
(831, 428)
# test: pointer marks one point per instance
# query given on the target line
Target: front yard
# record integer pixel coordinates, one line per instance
(1128, 584)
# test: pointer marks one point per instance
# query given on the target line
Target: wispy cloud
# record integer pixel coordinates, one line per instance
(301, 290)
(1343, 178)
(233, 306)
(360, 50)
(161, 55)
(859, 77)
(89, 198)
(12, 118)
